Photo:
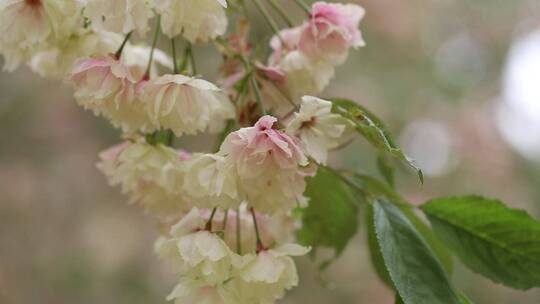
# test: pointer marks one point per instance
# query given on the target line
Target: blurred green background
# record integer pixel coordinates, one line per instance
(458, 82)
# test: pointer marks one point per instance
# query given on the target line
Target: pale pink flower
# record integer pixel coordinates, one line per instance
(269, 164)
(106, 86)
(331, 31)
(254, 149)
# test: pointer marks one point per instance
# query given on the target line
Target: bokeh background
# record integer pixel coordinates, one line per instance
(457, 81)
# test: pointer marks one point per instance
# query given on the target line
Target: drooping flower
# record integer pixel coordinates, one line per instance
(274, 230)
(197, 252)
(119, 16)
(191, 290)
(150, 175)
(211, 182)
(331, 31)
(196, 20)
(319, 129)
(28, 26)
(269, 273)
(269, 164)
(106, 86)
(307, 55)
(186, 105)
(57, 60)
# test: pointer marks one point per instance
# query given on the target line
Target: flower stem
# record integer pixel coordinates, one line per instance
(258, 97)
(192, 60)
(268, 18)
(304, 6)
(238, 233)
(225, 220)
(260, 246)
(175, 61)
(154, 43)
(118, 53)
(281, 12)
(208, 226)
(185, 60)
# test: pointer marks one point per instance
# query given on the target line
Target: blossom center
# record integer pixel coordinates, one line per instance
(33, 2)
(309, 123)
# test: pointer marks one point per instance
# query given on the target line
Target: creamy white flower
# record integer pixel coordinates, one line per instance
(200, 292)
(319, 129)
(303, 76)
(136, 58)
(211, 182)
(29, 25)
(198, 253)
(107, 86)
(57, 60)
(197, 20)
(119, 16)
(186, 105)
(269, 273)
(151, 175)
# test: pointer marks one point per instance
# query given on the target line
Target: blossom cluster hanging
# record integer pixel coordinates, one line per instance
(230, 211)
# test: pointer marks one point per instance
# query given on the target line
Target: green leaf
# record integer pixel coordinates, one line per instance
(415, 271)
(379, 189)
(500, 243)
(372, 128)
(464, 299)
(331, 219)
(374, 249)
(399, 300)
(386, 168)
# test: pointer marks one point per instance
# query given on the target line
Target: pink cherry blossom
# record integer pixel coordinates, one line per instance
(261, 146)
(332, 30)
(269, 164)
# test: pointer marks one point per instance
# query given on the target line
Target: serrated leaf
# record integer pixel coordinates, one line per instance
(372, 128)
(374, 250)
(500, 243)
(378, 189)
(331, 219)
(416, 273)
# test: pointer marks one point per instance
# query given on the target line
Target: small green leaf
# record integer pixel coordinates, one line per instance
(500, 243)
(417, 274)
(372, 128)
(331, 219)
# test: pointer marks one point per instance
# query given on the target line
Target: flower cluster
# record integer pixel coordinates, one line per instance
(232, 240)
(304, 57)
